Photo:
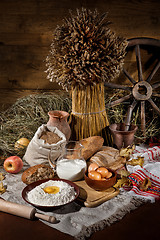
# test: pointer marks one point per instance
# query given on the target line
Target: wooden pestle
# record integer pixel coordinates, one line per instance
(24, 211)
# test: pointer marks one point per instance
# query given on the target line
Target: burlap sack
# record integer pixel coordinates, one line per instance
(37, 151)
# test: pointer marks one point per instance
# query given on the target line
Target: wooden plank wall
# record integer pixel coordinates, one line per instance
(26, 32)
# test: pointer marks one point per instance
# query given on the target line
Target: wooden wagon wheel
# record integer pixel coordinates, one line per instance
(140, 90)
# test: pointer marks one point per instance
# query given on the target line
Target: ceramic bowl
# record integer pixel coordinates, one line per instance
(31, 186)
(101, 185)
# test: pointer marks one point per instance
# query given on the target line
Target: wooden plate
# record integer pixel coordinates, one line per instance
(91, 198)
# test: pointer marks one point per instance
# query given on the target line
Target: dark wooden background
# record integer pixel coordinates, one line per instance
(26, 32)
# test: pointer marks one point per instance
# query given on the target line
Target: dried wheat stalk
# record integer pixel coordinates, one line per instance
(84, 54)
(84, 51)
(88, 117)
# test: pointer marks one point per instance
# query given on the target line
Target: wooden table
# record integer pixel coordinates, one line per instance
(142, 223)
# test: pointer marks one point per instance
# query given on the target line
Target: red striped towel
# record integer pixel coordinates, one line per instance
(138, 177)
(150, 154)
(150, 170)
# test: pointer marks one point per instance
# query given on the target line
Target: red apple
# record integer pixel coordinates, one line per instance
(13, 164)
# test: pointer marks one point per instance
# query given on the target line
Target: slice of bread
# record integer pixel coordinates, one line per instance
(108, 157)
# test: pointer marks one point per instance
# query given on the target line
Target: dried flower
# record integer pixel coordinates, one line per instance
(85, 51)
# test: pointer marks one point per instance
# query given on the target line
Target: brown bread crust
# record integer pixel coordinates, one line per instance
(91, 146)
(37, 172)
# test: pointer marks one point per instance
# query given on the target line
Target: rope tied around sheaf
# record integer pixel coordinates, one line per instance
(89, 113)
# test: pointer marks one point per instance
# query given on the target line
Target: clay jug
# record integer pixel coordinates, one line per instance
(59, 119)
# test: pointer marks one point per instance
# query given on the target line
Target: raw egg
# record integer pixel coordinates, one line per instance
(92, 167)
(103, 179)
(109, 175)
(103, 171)
(51, 189)
(94, 175)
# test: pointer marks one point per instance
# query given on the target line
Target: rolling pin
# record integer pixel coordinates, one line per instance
(24, 211)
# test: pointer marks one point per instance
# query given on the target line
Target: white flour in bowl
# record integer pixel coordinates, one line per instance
(65, 194)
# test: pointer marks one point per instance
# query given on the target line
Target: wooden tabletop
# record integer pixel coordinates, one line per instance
(142, 223)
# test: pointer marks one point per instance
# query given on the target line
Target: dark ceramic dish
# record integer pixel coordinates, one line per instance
(101, 185)
(29, 187)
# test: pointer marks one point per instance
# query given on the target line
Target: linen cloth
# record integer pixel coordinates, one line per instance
(37, 150)
(75, 220)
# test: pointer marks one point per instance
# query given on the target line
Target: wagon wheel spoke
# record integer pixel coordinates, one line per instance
(156, 95)
(156, 85)
(118, 101)
(117, 86)
(144, 89)
(129, 114)
(139, 64)
(143, 117)
(129, 76)
(156, 108)
(154, 70)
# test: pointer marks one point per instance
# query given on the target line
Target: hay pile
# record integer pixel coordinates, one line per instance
(24, 117)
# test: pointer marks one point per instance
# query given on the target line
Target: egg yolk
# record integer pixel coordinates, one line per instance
(51, 189)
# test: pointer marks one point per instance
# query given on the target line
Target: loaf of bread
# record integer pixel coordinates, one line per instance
(91, 145)
(108, 157)
(37, 172)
